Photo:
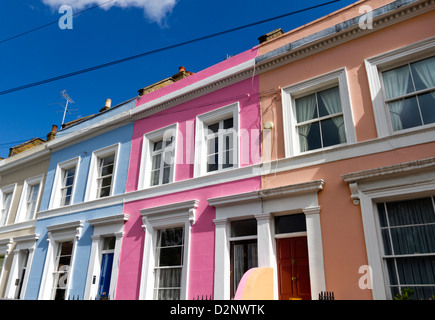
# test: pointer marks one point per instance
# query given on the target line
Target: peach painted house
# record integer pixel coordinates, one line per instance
(195, 139)
(348, 182)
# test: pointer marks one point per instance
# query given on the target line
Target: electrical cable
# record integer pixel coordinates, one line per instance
(140, 55)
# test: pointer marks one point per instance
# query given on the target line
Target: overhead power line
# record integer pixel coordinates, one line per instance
(140, 55)
(51, 23)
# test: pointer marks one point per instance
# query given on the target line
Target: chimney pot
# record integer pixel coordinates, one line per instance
(181, 69)
(107, 105)
(52, 134)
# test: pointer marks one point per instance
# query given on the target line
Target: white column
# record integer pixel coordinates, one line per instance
(222, 266)
(265, 241)
(315, 251)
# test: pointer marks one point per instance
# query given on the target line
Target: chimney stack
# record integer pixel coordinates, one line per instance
(52, 134)
(269, 36)
(107, 105)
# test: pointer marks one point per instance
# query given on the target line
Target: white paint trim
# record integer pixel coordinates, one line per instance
(178, 186)
(27, 242)
(202, 120)
(289, 93)
(91, 185)
(70, 231)
(7, 189)
(22, 207)
(104, 227)
(264, 205)
(146, 157)
(56, 195)
(376, 64)
(156, 218)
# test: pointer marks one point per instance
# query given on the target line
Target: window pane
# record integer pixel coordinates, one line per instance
(241, 228)
(228, 159)
(108, 160)
(427, 105)
(107, 170)
(330, 131)
(309, 137)
(228, 123)
(306, 108)
(166, 174)
(329, 102)
(170, 256)
(212, 163)
(109, 243)
(155, 177)
(397, 82)
(290, 223)
(405, 114)
(212, 145)
(423, 72)
(156, 161)
(213, 128)
(158, 145)
(171, 237)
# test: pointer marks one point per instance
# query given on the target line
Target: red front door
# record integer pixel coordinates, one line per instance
(293, 272)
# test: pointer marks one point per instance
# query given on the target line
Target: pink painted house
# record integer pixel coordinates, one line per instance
(195, 139)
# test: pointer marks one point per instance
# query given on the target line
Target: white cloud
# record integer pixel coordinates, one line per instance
(155, 10)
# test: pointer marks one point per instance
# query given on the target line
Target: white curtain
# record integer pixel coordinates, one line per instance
(396, 84)
(426, 71)
(305, 108)
(331, 100)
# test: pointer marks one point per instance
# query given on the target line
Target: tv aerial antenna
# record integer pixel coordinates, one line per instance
(68, 100)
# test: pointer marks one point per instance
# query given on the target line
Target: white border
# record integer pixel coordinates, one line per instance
(91, 186)
(7, 189)
(56, 196)
(376, 64)
(168, 216)
(145, 163)
(22, 207)
(202, 121)
(289, 93)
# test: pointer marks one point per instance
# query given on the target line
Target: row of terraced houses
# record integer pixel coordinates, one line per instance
(301, 166)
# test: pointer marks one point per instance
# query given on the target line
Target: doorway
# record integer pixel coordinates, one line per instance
(293, 269)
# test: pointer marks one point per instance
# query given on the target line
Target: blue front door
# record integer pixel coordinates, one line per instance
(105, 274)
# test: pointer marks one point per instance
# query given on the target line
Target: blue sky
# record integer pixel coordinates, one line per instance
(103, 35)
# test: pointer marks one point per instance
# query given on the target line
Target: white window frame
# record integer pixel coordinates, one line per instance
(56, 194)
(202, 121)
(163, 217)
(5, 250)
(388, 60)
(8, 189)
(23, 243)
(104, 227)
(405, 181)
(147, 153)
(70, 231)
(22, 207)
(304, 88)
(91, 187)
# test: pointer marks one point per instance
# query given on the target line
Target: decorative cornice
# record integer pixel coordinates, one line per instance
(165, 213)
(340, 33)
(383, 172)
(401, 168)
(285, 191)
(119, 218)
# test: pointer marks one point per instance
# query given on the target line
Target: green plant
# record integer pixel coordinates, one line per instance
(405, 294)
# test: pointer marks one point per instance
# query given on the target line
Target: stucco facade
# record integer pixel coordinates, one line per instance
(346, 55)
